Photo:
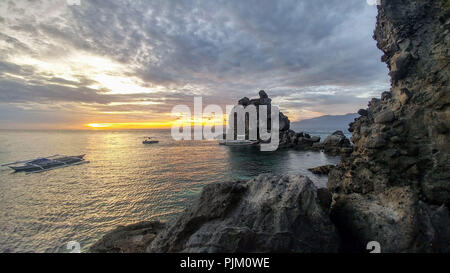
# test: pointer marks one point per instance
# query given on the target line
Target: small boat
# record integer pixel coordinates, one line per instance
(46, 163)
(149, 140)
(239, 142)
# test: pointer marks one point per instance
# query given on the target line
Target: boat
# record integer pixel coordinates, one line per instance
(241, 141)
(46, 163)
(149, 140)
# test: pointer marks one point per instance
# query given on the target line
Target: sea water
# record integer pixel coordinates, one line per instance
(125, 182)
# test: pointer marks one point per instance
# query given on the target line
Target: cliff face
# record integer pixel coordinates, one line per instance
(398, 176)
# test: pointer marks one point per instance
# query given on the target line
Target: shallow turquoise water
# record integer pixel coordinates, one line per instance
(125, 182)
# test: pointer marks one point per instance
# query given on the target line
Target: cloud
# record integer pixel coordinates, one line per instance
(221, 50)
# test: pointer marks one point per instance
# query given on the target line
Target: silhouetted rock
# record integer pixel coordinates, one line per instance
(263, 94)
(244, 101)
(363, 112)
(285, 123)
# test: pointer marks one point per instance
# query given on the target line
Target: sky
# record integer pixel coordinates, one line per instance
(129, 62)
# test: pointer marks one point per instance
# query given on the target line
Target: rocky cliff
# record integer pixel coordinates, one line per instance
(395, 186)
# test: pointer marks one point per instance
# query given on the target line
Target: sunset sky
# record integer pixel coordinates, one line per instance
(117, 63)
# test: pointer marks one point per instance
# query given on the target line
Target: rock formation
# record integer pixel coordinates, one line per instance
(394, 188)
(336, 144)
(322, 170)
(128, 239)
(284, 122)
(289, 138)
(265, 214)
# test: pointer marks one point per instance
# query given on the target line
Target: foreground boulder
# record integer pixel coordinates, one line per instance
(128, 239)
(265, 214)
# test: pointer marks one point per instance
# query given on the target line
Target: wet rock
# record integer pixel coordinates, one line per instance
(265, 214)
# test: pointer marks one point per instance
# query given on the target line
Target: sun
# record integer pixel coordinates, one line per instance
(99, 125)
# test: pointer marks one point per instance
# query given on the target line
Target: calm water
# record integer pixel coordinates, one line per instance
(125, 182)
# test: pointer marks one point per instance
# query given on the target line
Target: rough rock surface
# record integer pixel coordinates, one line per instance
(288, 138)
(265, 214)
(322, 170)
(128, 239)
(337, 143)
(395, 186)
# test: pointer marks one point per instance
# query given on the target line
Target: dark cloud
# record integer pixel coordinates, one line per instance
(222, 50)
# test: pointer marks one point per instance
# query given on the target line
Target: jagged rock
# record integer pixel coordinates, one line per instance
(244, 101)
(265, 214)
(395, 218)
(128, 239)
(334, 143)
(395, 186)
(386, 95)
(322, 169)
(385, 116)
(262, 94)
(285, 123)
(363, 112)
(264, 98)
(288, 139)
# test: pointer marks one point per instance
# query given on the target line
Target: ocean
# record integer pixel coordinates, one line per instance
(124, 183)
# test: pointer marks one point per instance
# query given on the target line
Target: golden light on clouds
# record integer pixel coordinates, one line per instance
(106, 73)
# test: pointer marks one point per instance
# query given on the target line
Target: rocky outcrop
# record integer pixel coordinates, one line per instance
(300, 141)
(284, 122)
(322, 170)
(265, 214)
(395, 186)
(128, 239)
(337, 143)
